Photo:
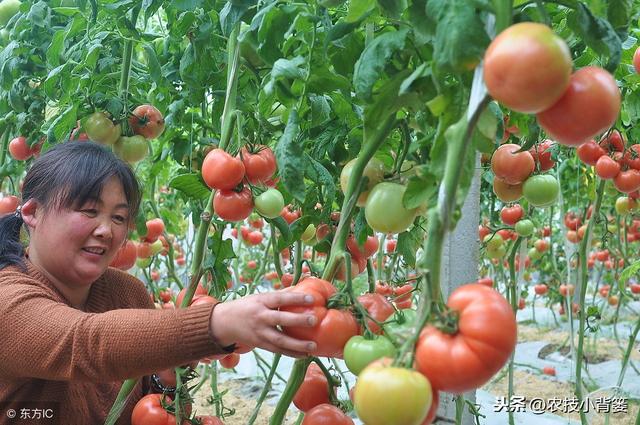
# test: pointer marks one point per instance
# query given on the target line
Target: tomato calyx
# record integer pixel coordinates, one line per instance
(447, 321)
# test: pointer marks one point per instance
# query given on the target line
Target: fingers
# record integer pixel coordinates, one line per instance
(278, 342)
(285, 318)
(280, 299)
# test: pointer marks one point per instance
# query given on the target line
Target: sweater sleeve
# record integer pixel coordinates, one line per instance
(46, 339)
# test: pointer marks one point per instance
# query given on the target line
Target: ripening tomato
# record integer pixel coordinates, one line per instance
(254, 238)
(313, 391)
(549, 370)
(541, 289)
(506, 192)
(147, 121)
(527, 67)
(149, 411)
(367, 250)
(541, 245)
(9, 204)
(233, 206)
(155, 227)
(588, 107)
(636, 60)
(567, 289)
(511, 166)
(125, 257)
(19, 149)
(101, 129)
(380, 396)
(374, 171)
(289, 215)
(572, 221)
(511, 215)
(589, 152)
(326, 414)
(486, 281)
(378, 307)
(542, 155)
(200, 291)
(607, 168)
(260, 164)
(468, 358)
(632, 157)
(333, 328)
(391, 245)
(209, 420)
(222, 171)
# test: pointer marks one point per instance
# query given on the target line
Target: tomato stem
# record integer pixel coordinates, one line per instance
(584, 275)
(276, 253)
(233, 47)
(121, 401)
(512, 296)
(126, 60)
(265, 389)
(331, 381)
(295, 380)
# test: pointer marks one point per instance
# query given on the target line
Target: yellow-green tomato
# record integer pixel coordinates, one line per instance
(101, 129)
(8, 8)
(534, 254)
(493, 241)
(359, 352)
(131, 149)
(308, 233)
(269, 203)
(384, 210)
(392, 396)
(497, 253)
(524, 227)
(374, 171)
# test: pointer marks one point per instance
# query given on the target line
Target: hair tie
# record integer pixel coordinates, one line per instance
(18, 212)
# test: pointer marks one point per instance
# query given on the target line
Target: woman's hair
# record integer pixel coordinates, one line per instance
(66, 176)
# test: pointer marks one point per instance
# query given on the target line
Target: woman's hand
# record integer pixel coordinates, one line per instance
(254, 321)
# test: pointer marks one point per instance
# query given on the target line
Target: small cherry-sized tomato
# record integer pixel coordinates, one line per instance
(590, 152)
(230, 360)
(511, 166)
(511, 215)
(233, 206)
(541, 289)
(147, 121)
(549, 370)
(19, 149)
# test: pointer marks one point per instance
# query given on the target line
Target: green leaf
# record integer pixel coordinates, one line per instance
(408, 244)
(191, 185)
(183, 5)
(51, 82)
(152, 63)
(231, 14)
(619, 16)
(320, 110)
(629, 272)
(317, 173)
(149, 7)
(361, 228)
(289, 68)
(460, 39)
(420, 190)
(184, 23)
(341, 29)
(598, 34)
(324, 81)
(392, 8)
(62, 125)
(359, 9)
(286, 237)
(289, 156)
(373, 60)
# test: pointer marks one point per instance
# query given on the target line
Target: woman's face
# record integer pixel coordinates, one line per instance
(75, 246)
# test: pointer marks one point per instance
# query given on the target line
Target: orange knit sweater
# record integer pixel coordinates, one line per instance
(55, 356)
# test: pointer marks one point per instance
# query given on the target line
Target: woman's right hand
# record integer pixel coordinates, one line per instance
(254, 321)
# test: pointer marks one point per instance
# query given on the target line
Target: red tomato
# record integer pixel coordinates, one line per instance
(333, 328)
(572, 221)
(391, 245)
(286, 279)
(230, 360)
(632, 157)
(612, 142)
(635, 288)
(251, 264)
(546, 231)
(19, 149)
(379, 308)
(147, 121)
(486, 281)
(255, 238)
(9, 204)
(258, 223)
(383, 289)
(313, 391)
(367, 250)
(233, 206)
(587, 108)
(511, 215)
(521, 304)
(541, 245)
(627, 181)
(567, 289)
(209, 420)
(483, 231)
(527, 67)
(541, 289)
(607, 168)
(165, 295)
(289, 215)
(467, 359)
(222, 171)
(542, 155)
(506, 192)
(326, 414)
(589, 152)
(200, 290)
(511, 166)
(549, 370)
(636, 60)
(149, 411)
(260, 165)
(126, 256)
(155, 227)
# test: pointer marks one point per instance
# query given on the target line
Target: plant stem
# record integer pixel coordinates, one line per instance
(584, 245)
(233, 49)
(265, 389)
(295, 379)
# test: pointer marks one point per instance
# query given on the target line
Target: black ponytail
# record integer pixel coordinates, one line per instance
(11, 249)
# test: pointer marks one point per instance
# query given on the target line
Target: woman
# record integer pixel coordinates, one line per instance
(72, 328)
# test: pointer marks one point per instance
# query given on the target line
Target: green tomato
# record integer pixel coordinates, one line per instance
(402, 327)
(497, 253)
(374, 171)
(156, 247)
(308, 233)
(101, 129)
(269, 203)
(143, 263)
(131, 149)
(392, 395)
(541, 190)
(493, 241)
(534, 254)
(8, 8)
(612, 228)
(359, 352)
(384, 211)
(524, 228)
